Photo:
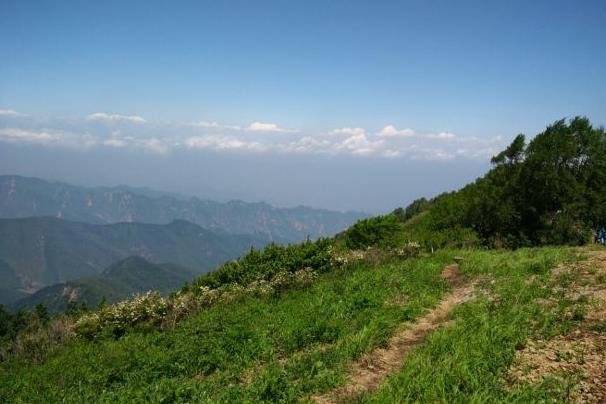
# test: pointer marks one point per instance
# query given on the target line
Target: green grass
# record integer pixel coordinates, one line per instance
(290, 347)
(468, 362)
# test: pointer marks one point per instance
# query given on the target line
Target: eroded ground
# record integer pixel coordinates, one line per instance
(576, 360)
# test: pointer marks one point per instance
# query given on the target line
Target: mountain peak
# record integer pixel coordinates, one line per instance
(126, 263)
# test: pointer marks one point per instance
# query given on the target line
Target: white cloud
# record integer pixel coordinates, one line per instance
(149, 144)
(266, 127)
(154, 145)
(348, 131)
(56, 138)
(15, 135)
(308, 144)
(102, 116)
(222, 143)
(441, 135)
(392, 153)
(10, 112)
(47, 137)
(206, 124)
(388, 142)
(390, 131)
(359, 144)
(213, 125)
(117, 143)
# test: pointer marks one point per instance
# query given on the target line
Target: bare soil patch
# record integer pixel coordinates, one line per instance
(578, 358)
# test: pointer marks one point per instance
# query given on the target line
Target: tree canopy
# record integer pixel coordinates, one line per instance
(549, 191)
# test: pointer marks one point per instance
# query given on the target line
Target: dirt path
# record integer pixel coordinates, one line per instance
(372, 369)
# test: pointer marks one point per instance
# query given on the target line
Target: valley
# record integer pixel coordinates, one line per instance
(41, 251)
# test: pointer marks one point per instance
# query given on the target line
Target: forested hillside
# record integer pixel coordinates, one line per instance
(119, 281)
(551, 190)
(38, 252)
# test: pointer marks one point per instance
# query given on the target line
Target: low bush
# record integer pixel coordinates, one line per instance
(380, 231)
(34, 342)
(268, 262)
(145, 308)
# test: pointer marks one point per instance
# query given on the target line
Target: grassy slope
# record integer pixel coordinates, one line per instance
(467, 362)
(291, 347)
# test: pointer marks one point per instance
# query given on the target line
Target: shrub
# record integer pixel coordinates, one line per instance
(267, 263)
(149, 307)
(417, 206)
(380, 231)
(36, 342)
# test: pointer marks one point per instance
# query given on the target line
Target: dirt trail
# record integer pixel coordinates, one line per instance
(372, 369)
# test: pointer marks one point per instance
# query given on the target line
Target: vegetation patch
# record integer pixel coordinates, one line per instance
(369, 371)
(571, 364)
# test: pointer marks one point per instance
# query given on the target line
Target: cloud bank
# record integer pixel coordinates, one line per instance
(132, 132)
(102, 116)
(267, 127)
(10, 112)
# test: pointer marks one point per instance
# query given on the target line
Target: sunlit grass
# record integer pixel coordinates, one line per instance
(291, 346)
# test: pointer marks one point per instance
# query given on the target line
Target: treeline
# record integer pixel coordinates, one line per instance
(551, 190)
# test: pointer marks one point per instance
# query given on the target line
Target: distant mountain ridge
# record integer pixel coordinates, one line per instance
(25, 197)
(117, 282)
(40, 251)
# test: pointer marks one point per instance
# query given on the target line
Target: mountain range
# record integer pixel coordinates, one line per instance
(61, 242)
(37, 252)
(22, 197)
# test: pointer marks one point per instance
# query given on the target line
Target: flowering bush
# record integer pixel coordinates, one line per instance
(374, 255)
(283, 280)
(410, 249)
(148, 307)
(347, 257)
(152, 308)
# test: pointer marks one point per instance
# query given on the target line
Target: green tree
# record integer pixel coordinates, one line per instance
(42, 313)
(380, 231)
(551, 191)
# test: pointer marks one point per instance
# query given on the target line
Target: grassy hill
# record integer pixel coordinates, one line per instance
(24, 197)
(39, 252)
(119, 281)
(413, 306)
(302, 343)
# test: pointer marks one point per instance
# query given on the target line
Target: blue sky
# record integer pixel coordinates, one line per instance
(354, 83)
